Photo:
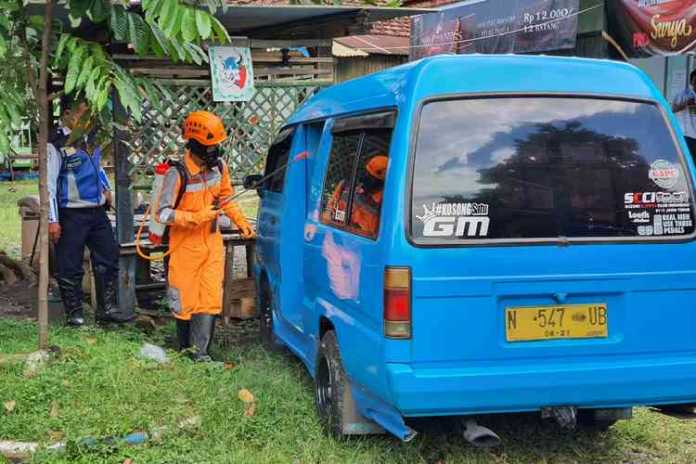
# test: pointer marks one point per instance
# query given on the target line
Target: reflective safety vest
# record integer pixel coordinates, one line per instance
(80, 181)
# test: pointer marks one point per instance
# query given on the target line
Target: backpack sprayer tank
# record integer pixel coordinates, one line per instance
(156, 228)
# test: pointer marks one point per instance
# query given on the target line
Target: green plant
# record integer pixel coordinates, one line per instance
(43, 48)
(171, 28)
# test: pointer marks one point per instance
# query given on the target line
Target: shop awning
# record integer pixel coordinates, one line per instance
(364, 45)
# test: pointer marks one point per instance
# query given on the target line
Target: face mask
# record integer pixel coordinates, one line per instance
(210, 155)
(373, 185)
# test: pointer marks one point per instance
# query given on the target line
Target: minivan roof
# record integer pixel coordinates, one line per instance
(478, 74)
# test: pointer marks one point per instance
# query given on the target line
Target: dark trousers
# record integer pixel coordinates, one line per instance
(91, 227)
(691, 143)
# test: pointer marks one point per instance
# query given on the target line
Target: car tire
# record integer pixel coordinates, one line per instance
(265, 305)
(330, 386)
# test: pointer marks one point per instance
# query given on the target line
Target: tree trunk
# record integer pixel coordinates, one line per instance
(21, 270)
(8, 277)
(42, 99)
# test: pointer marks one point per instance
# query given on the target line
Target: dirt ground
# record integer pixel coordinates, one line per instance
(18, 300)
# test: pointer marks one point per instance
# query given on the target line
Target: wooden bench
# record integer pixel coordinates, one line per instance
(239, 293)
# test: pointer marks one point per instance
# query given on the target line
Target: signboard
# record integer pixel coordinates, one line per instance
(231, 73)
(653, 27)
(496, 26)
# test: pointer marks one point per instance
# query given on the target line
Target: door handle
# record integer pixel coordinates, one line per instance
(273, 220)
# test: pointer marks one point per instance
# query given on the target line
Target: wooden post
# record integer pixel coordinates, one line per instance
(326, 52)
(124, 209)
(42, 98)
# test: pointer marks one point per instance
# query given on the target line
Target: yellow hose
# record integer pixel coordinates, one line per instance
(138, 240)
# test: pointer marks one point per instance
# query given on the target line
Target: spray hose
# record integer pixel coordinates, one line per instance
(138, 236)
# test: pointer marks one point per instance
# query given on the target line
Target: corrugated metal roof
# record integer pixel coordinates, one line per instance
(341, 51)
(375, 44)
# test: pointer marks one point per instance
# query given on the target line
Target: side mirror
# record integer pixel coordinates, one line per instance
(254, 182)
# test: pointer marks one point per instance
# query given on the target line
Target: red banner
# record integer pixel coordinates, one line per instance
(653, 27)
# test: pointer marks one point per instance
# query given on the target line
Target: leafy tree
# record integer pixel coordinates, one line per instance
(38, 46)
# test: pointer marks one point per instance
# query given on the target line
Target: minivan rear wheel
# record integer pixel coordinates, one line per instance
(265, 305)
(330, 386)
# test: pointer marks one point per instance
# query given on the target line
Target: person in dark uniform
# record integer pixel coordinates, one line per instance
(79, 195)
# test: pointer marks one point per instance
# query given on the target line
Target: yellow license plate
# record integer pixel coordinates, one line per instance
(553, 322)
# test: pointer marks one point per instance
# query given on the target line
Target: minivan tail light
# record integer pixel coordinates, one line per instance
(397, 302)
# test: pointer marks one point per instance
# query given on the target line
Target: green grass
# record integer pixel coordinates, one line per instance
(10, 221)
(99, 387)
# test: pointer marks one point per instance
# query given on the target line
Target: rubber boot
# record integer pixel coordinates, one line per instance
(106, 310)
(202, 326)
(183, 334)
(71, 294)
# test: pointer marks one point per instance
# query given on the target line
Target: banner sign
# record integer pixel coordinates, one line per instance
(496, 26)
(231, 73)
(653, 27)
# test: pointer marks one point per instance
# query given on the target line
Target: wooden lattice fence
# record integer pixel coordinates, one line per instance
(252, 125)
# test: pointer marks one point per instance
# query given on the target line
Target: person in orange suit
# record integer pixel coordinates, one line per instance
(196, 262)
(367, 201)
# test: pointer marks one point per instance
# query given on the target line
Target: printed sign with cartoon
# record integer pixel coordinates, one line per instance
(231, 73)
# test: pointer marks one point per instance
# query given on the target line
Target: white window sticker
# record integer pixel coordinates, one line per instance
(455, 220)
(664, 173)
(639, 217)
(659, 213)
(673, 224)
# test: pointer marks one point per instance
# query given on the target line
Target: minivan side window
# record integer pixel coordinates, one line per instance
(277, 161)
(339, 177)
(369, 185)
(352, 195)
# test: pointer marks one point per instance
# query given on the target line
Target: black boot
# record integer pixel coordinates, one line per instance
(202, 326)
(183, 334)
(71, 294)
(106, 310)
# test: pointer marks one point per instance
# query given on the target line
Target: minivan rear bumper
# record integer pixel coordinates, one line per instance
(431, 390)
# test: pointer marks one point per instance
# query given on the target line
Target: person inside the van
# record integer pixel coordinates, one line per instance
(367, 200)
(196, 262)
(684, 107)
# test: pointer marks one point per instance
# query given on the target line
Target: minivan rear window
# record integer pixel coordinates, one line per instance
(547, 168)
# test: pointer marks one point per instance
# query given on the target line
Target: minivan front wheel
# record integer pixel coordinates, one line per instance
(330, 386)
(265, 305)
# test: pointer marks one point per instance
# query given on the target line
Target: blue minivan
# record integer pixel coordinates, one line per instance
(469, 235)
